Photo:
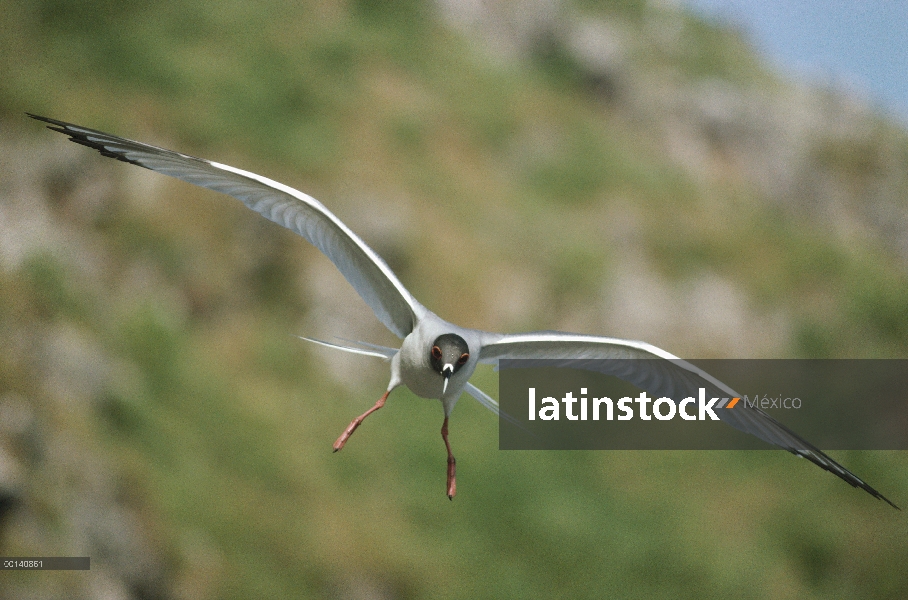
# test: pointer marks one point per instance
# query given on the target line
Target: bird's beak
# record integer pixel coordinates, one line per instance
(446, 372)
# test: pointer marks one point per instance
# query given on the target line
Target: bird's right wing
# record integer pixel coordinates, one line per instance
(369, 275)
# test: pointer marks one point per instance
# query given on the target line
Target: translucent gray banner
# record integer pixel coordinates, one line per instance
(630, 404)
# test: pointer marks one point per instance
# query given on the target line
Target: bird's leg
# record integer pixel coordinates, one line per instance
(356, 422)
(452, 464)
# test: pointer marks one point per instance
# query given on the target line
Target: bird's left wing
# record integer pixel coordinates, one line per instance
(369, 275)
(661, 374)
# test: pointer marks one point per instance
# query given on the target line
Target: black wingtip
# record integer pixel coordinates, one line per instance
(870, 490)
(888, 501)
(104, 143)
(815, 455)
(47, 120)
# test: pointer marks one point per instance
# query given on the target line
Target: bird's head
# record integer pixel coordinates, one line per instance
(448, 354)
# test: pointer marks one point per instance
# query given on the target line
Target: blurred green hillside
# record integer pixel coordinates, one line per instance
(616, 168)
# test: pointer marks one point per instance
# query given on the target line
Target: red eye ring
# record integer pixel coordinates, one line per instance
(436, 352)
(463, 358)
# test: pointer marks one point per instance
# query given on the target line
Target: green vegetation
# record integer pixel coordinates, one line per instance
(465, 167)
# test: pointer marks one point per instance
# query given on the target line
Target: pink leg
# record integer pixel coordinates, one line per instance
(452, 464)
(357, 421)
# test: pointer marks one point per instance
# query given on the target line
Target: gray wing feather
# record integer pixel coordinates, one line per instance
(380, 351)
(491, 404)
(369, 275)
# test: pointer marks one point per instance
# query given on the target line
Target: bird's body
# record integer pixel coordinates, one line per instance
(436, 359)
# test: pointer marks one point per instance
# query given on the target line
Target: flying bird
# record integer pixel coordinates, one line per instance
(436, 358)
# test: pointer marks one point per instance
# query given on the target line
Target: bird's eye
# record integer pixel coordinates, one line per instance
(463, 358)
(436, 352)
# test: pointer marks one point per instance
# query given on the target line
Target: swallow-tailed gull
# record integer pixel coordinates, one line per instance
(437, 358)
